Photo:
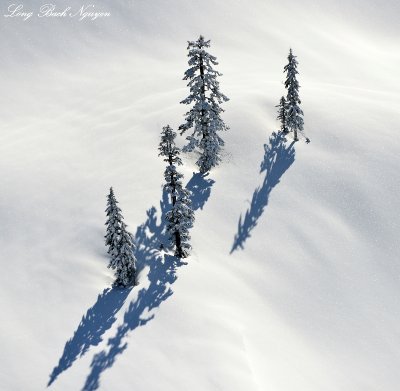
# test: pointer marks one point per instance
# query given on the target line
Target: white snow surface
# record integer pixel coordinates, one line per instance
(312, 300)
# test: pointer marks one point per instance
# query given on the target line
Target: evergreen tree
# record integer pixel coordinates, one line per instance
(124, 262)
(167, 147)
(282, 114)
(113, 222)
(180, 218)
(120, 244)
(294, 114)
(205, 97)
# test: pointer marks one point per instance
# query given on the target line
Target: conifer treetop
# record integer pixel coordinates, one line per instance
(167, 147)
(202, 76)
(291, 82)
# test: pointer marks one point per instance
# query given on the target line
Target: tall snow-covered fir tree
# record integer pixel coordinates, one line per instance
(205, 97)
(180, 218)
(282, 114)
(120, 244)
(294, 114)
(113, 223)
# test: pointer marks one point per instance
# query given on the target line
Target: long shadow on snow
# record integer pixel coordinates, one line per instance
(277, 159)
(99, 318)
(162, 274)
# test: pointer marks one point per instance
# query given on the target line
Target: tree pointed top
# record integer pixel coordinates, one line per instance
(167, 146)
(168, 132)
(111, 196)
(291, 56)
(202, 41)
(199, 44)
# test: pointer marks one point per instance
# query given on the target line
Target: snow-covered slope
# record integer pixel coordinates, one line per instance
(294, 280)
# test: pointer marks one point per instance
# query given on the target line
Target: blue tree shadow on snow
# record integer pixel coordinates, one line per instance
(278, 157)
(162, 274)
(98, 319)
(200, 187)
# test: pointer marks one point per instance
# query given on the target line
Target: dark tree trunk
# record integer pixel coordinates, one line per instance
(285, 130)
(178, 241)
(173, 197)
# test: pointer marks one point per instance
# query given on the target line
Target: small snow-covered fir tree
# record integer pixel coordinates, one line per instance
(294, 114)
(282, 114)
(120, 244)
(180, 218)
(205, 97)
(113, 222)
(124, 262)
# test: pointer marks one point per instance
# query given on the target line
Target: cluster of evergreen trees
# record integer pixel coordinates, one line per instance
(203, 122)
(179, 218)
